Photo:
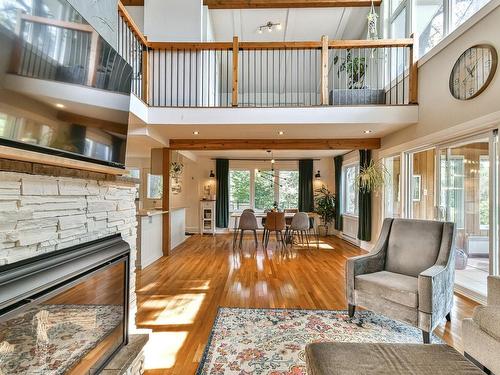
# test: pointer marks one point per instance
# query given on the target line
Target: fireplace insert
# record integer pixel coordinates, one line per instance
(65, 312)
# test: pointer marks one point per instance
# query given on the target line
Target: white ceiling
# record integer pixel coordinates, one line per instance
(298, 24)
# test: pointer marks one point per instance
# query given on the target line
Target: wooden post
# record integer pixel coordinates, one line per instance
(324, 70)
(93, 56)
(413, 76)
(145, 75)
(236, 50)
(166, 201)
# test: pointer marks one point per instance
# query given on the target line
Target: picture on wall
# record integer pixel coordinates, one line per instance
(417, 188)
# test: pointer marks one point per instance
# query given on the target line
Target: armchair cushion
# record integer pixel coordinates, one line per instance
(391, 286)
(413, 246)
(488, 319)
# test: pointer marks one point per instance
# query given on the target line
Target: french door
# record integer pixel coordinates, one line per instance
(467, 194)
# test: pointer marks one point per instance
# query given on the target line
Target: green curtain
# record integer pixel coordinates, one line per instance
(222, 200)
(306, 193)
(338, 191)
(365, 202)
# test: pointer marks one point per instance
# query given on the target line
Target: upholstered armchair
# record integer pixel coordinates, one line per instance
(481, 333)
(408, 276)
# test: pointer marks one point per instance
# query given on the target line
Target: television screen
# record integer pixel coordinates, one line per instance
(63, 89)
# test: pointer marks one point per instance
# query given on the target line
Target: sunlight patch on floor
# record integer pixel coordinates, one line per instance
(173, 310)
(161, 350)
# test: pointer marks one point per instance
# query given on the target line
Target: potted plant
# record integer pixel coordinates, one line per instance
(326, 204)
(372, 177)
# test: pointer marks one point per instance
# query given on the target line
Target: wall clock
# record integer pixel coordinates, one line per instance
(473, 71)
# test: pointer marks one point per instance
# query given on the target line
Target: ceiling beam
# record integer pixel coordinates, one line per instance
(275, 144)
(133, 2)
(250, 4)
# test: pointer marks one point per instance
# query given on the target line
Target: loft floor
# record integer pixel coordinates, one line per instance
(178, 296)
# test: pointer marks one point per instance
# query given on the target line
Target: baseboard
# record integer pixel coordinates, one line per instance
(474, 296)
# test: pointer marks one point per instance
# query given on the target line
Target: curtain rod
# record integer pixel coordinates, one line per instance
(267, 159)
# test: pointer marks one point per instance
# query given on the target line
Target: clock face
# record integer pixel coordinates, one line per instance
(473, 72)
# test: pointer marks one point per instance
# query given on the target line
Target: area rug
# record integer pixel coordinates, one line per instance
(272, 341)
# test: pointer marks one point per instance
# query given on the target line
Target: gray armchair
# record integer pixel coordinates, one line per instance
(408, 276)
(481, 333)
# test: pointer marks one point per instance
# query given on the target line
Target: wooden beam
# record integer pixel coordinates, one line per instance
(236, 50)
(250, 4)
(413, 77)
(324, 71)
(275, 144)
(378, 43)
(166, 201)
(133, 3)
(191, 45)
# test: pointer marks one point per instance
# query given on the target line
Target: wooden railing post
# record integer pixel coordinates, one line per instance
(145, 75)
(236, 48)
(413, 76)
(324, 70)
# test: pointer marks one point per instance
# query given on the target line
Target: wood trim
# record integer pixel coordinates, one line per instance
(191, 45)
(378, 43)
(275, 144)
(279, 45)
(324, 70)
(413, 77)
(251, 4)
(234, 99)
(93, 59)
(12, 153)
(166, 201)
(57, 23)
(127, 18)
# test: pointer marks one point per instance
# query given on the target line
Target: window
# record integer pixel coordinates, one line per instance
(392, 196)
(484, 198)
(239, 190)
(155, 186)
(261, 190)
(462, 10)
(288, 189)
(429, 23)
(454, 192)
(350, 192)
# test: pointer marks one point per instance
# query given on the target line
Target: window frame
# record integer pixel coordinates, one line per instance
(344, 190)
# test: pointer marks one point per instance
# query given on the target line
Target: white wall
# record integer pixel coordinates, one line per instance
(173, 20)
(137, 14)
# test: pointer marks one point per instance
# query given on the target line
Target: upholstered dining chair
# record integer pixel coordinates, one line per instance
(248, 221)
(300, 225)
(408, 276)
(275, 222)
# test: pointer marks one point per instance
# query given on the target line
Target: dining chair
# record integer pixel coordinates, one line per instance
(248, 221)
(275, 222)
(300, 225)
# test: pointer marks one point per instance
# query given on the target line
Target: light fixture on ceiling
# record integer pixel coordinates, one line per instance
(59, 105)
(367, 131)
(212, 174)
(281, 132)
(269, 26)
(317, 176)
(196, 132)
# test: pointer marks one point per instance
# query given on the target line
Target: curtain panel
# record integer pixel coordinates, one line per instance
(338, 191)
(222, 194)
(306, 191)
(365, 201)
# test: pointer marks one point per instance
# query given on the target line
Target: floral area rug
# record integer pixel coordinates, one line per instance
(272, 341)
(51, 339)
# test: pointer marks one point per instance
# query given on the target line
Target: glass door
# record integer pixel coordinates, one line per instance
(421, 193)
(465, 180)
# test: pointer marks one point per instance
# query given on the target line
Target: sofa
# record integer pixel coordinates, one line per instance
(481, 333)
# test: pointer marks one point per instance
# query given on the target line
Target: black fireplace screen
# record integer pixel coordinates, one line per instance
(71, 329)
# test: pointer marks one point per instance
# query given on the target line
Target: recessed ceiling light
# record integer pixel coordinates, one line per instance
(367, 131)
(59, 105)
(281, 132)
(196, 132)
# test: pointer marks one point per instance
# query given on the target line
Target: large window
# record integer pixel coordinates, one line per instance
(239, 190)
(154, 186)
(430, 26)
(484, 197)
(350, 192)
(262, 189)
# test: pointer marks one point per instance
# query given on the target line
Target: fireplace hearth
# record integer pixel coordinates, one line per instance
(65, 312)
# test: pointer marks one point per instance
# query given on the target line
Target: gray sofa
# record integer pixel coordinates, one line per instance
(481, 333)
(408, 276)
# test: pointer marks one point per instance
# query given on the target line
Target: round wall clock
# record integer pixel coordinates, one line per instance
(473, 71)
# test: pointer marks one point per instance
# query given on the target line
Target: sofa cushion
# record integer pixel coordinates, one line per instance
(413, 246)
(391, 286)
(488, 318)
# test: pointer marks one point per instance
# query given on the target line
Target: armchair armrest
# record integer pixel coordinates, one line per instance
(493, 290)
(369, 263)
(435, 290)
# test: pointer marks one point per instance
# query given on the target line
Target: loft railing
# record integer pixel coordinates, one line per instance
(270, 74)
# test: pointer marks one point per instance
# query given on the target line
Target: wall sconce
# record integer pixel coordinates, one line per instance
(212, 174)
(317, 176)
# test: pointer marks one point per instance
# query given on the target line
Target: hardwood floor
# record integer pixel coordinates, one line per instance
(178, 296)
